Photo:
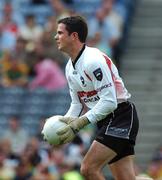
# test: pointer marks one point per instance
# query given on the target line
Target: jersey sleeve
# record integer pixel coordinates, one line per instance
(103, 83)
(76, 106)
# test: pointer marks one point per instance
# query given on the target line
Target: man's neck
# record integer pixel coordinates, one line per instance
(75, 52)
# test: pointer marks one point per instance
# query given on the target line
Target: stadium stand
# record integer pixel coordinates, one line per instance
(32, 105)
(141, 68)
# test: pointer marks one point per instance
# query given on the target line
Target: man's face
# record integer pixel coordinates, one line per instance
(63, 39)
(14, 124)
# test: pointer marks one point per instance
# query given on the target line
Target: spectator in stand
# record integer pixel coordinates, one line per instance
(43, 172)
(155, 167)
(72, 160)
(39, 160)
(118, 17)
(74, 153)
(16, 134)
(11, 158)
(110, 6)
(19, 51)
(6, 172)
(12, 8)
(51, 24)
(13, 72)
(103, 32)
(23, 169)
(7, 20)
(59, 9)
(48, 76)
(30, 31)
(58, 157)
(49, 45)
(7, 40)
(8, 28)
(32, 153)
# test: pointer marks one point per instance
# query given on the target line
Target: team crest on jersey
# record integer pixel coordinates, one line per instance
(83, 81)
(98, 74)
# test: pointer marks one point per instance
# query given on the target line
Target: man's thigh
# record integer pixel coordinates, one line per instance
(98, 155)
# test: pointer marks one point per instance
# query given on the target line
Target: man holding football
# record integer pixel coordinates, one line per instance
(94, 82)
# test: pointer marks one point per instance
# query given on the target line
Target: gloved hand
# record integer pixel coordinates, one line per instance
(67, 133)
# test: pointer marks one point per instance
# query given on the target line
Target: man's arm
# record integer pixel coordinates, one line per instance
(103, 83)
(76, 107)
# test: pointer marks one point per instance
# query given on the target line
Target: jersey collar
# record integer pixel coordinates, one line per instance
(78, 56)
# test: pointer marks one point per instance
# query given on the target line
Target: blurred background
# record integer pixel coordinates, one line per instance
(33, 85)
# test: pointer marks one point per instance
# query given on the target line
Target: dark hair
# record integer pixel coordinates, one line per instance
(76, 24)
(15, 118)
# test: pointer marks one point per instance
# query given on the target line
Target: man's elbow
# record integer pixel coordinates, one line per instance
(114, 105)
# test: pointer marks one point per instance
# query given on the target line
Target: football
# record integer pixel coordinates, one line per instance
(50, 128)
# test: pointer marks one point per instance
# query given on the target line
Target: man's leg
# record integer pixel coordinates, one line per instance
(125, 164)
(123, 169)
(97, 156)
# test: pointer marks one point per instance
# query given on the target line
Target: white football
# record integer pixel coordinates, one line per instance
(50, 128)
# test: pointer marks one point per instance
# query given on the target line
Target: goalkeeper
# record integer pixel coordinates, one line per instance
(94, 81)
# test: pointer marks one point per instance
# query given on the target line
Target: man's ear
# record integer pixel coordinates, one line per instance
(74, 36)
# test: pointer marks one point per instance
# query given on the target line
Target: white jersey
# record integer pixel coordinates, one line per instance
(94, 80)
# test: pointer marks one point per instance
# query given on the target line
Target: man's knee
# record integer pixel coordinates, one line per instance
(87, 170)
(84, 170)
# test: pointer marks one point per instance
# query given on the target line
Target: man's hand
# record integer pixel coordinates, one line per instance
(67, 133)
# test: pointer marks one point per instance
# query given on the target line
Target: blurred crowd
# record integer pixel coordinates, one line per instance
(28, 53)
(29, 58)
(27, 45)
(155, 166)
(26, 157)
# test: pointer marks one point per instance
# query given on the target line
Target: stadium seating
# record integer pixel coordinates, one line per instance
(31, 106)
